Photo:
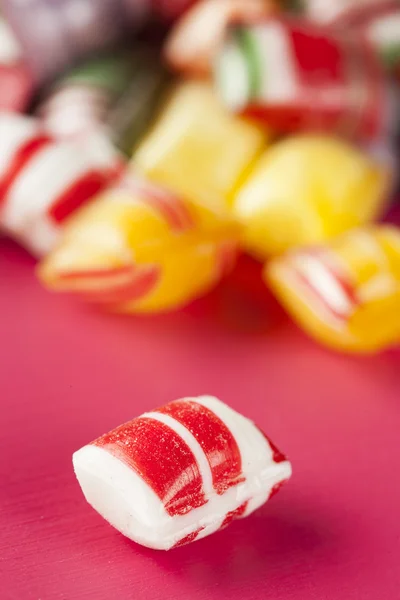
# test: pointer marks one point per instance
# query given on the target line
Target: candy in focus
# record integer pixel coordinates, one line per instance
(293, 76)
(308, 189)
(180, 473)
(345, 294)
(43, 181)
(197, 149)
(140, 248)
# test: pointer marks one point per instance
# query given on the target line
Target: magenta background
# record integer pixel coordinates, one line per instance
(68, 374)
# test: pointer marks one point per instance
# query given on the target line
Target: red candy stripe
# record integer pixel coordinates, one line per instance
(25, 153)
(277, 455)
(234, 514)
(162, 459)
(168, 205)
(77, 194)
(276, 488)
(142, 281)
(215, 439)
(188, 538)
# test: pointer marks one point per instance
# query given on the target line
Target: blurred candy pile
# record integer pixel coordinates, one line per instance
(145, 143)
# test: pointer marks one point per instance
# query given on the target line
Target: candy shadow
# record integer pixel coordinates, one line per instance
(269, 542)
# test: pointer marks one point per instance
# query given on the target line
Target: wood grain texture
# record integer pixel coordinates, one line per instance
(68, 374)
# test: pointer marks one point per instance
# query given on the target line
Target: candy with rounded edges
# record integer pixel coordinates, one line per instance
(197, 149)
(193, 43)
(345, 294)
(141, 248)
(294, 76)
(43, 180)
(307, 189)
(180, 473)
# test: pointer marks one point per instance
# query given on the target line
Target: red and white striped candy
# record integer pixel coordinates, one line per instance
(180, 473)
(42, 181)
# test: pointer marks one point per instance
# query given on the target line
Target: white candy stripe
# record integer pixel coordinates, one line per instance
(194, 446)
(253, 446)
(74, 125)
(321, 278)
(42, 181)
(278, 75)
(385, 30)
(14, 132)
(326, 11)
(75, 96)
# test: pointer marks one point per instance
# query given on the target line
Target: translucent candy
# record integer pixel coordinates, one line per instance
(140, 248)
(197, 149)
(308, 189)
(345, 294)
(180, 473)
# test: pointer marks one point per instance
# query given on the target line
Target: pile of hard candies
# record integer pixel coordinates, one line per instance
(144, 142)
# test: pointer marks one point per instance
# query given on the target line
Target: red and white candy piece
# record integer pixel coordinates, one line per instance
(43, 181)
(180, 473)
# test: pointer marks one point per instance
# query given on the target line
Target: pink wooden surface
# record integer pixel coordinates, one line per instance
(67, 374)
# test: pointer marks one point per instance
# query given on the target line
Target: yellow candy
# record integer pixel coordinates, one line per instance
(346, 294)
(139, 248)
(198, 149)
(307, 190)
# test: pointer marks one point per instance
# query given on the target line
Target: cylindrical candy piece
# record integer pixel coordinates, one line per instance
(345, 294)
(16, 84)
(197, 149)
(193, 43)
(42, 180)
(294, 76)
(140, 248)
(180, 473)
(308, 189)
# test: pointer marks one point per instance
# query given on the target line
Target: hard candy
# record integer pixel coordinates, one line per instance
(180, 473)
